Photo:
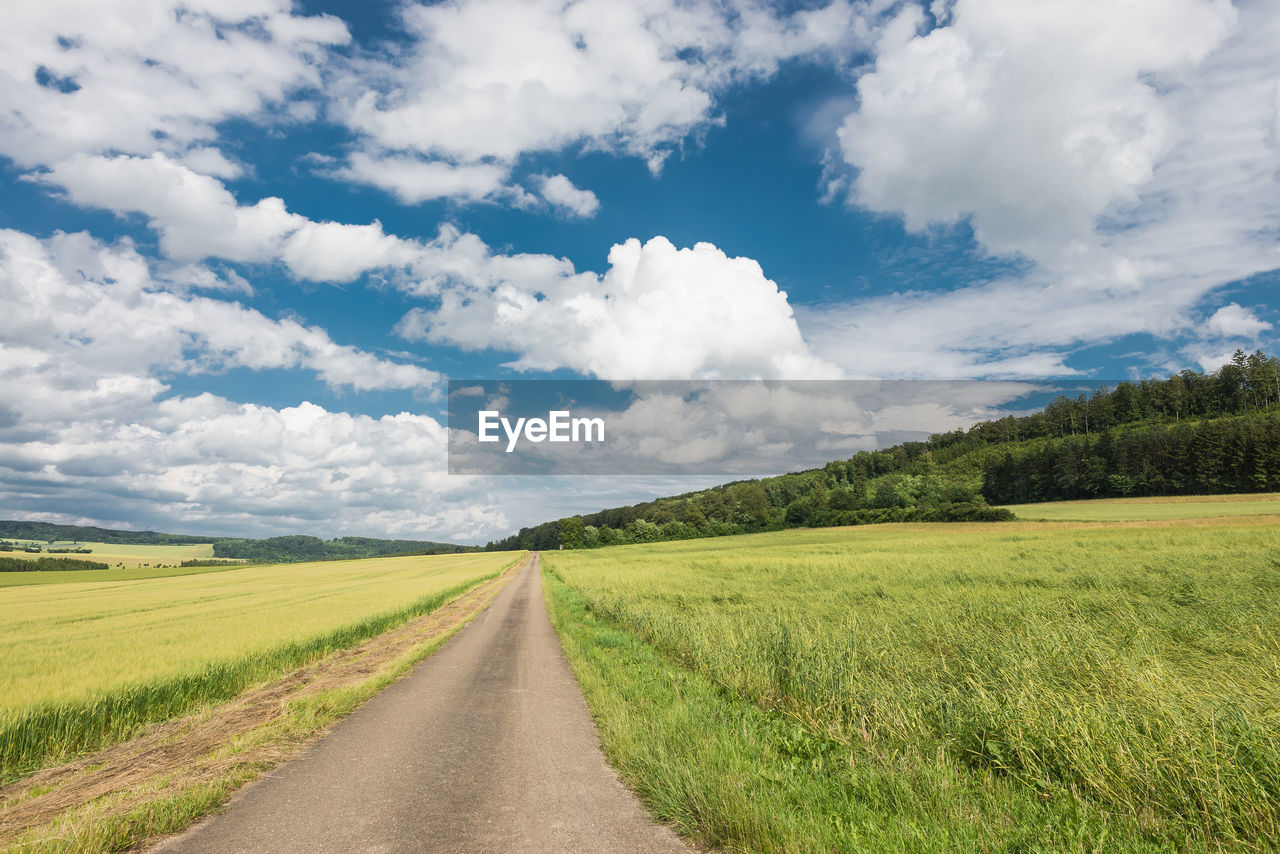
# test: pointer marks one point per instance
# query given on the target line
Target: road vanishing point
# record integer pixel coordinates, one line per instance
(487, 745)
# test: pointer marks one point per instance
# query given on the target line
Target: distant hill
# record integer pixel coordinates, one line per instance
(1192, 433)
(298, 548)
(49, 532)
(270, 550)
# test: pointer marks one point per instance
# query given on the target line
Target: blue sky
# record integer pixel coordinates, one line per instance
(244, 244)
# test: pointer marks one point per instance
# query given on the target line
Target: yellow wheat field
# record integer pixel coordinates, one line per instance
(65, 642)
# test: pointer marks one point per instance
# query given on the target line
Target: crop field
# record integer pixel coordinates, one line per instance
(128, 555)
(88, 662)
(1152, 509)
(963, 687)
(112, 573)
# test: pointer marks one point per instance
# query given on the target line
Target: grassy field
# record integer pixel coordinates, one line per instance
(1151, 509)
(86, 663)
(1004, 687)
(130, 556)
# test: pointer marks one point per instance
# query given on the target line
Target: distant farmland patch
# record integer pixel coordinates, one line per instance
(119, 553)
(1151, 509)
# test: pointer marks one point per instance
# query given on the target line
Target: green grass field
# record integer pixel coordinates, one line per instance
(1003, 687)
(86, 663)
(1151, 509)
(131, 556)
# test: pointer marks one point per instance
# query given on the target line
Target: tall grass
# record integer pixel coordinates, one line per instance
(1125, 681)
(89, 664)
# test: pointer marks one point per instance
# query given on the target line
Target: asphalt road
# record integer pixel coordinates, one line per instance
(486, 746)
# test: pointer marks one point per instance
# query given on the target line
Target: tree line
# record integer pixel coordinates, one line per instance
(1248, 383)
(879, 486)
(286, 549)
(299, 547)
(1190, 433)
(47, 564)
(52, 533)
(1235, 454)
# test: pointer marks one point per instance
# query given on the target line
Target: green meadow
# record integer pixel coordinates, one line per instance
(941, 687)
(1153, 509)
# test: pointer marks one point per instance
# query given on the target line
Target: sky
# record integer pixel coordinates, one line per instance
(245, 244)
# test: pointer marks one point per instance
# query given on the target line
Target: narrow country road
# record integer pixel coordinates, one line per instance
(486, 746)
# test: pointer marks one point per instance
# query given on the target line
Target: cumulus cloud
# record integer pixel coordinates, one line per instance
(196, 217)
(93, 328)
(658, 313)
(677, 313)
(210, 464)
(78, 77)
(470, 89)
(487, 81)
(82, 313)
(560, 192)
(1030, 119)
(1126, 151)
(413, 180)
(1233, 321)
(211, 161)
(89, 329)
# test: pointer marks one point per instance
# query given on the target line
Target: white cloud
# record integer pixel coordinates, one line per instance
(81, 313)
(1030, 119)
(560, 192)
(413, 180)
(1233, 321)
(211, 161)
(1132, 240)
(1207, 357)
(339, 252)
(677, 313)
(196, 217)
(1011, 328)
(182, 278)
(1127, 150)
(209, 464)
(658, 313)
(88, 433)
(487, 81)
(87, 333)
(78, 76)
